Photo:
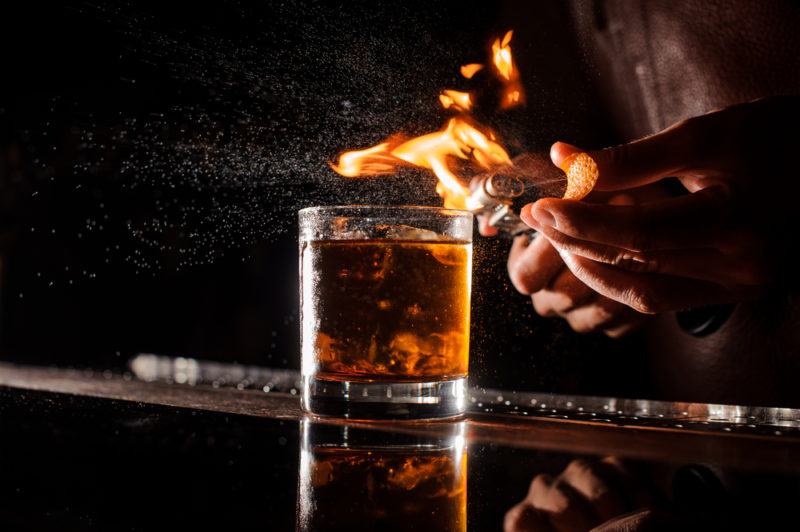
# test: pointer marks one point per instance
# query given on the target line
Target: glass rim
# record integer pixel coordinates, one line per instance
(366, 208)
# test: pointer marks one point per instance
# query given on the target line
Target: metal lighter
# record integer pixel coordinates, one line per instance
(500, 194)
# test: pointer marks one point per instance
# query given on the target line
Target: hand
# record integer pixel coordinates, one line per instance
(586, 494)
(724, 241)
(536, 269)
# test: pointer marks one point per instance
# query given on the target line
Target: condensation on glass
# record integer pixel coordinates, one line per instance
(385, 310)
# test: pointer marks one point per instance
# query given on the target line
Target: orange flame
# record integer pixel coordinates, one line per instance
(470, 70)
(504, 64)
(457, 99)
(372, 161)
(460, 138)
(501, 55)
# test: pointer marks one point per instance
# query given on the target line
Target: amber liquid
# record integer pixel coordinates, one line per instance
(386, 310)
(348, 489)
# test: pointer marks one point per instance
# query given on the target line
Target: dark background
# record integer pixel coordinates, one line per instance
(153, 156)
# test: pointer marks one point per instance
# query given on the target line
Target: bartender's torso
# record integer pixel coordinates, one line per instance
(661, 62)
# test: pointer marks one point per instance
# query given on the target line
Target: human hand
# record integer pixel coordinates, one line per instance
(586, 494)
(536, 269)
(724, 241)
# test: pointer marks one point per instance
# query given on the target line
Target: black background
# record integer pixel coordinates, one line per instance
(153, 156)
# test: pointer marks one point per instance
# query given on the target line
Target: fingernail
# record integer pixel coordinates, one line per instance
(543, 216)
(561, 151)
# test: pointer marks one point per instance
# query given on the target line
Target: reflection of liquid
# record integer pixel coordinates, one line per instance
(369, 486)
(386, 310)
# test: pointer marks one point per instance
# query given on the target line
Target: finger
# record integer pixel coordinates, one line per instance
(525, 518)
(623, 321)
(483, 221)
(597, 486)
(602, 313)
(671, 152)
(651, 293)
(702, 263)
(532, 264)
(484, 228)
(693, 220)
(624, 329)
(562, 295)
(564, 507)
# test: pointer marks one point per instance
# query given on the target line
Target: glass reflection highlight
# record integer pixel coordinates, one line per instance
(353, 478)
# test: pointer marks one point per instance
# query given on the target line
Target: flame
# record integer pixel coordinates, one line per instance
(504, 64)
(470, 70)
(372, 161)
(460, 138)
(501, 55)
(459, 100)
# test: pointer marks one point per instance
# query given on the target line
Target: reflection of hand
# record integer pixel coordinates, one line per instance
(586, 494)
(708, 246)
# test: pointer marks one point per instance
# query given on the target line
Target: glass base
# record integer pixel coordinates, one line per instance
(385, 400)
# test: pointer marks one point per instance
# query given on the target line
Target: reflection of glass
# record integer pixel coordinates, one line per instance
(385, 305)
(357, 479)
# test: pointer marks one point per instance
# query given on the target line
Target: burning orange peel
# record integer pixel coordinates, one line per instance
(582, 174)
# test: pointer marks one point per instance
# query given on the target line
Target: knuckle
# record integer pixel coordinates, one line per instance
(582, 327)
(619, 331)
(567, 302)
(607, 255)
(541, 307)
(578, 467)
(517, 274)
(521, 281)
(515, 518)
(596, 321)
(615, 333)
(636, 262)
(607, 312)
(565, 298)
(539, 485)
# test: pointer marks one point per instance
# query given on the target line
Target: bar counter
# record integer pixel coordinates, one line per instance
(165, 446)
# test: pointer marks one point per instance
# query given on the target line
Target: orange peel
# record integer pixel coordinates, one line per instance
(582, 174)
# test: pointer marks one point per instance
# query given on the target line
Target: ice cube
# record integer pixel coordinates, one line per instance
(405, 232)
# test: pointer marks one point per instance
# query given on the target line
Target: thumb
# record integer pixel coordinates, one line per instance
(642, 161)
